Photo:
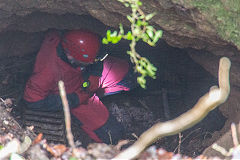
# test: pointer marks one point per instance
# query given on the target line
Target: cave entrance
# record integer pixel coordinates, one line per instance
(179, 84)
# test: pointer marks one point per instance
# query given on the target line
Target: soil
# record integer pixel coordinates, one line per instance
(179, 84)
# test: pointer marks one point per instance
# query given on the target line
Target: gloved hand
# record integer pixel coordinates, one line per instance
(88, 89)
(94, 82)
(83, 96)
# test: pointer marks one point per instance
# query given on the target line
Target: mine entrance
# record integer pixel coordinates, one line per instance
(179, 84)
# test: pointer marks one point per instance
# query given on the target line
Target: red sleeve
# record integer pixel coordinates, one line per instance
(38, 86)
(42, 79)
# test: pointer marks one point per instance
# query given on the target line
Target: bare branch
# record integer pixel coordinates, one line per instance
(205, 104)
(66, 114)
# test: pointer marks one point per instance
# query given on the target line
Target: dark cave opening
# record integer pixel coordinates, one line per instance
(180, 83)
(180, 79)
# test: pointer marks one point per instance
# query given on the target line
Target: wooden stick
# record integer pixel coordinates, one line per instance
(66, 114)
(205, 104)
(234, 135)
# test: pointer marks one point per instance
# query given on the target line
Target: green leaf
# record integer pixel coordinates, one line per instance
(114, 34)
(157, 35)
(144, 23)
(130, 18)
(1, 146)
(142, 81)
(143, 62)
(130, 53)
(119, 37)
(139, 22)
(149, 16)
(139, 3)
(136, 31)
(121, 30)
(133, 6)
(150, 28)
(141, 17)
(150, 43)
(129, 35)
(104, 41)
(109, 36)
(150, 33)
(115, 40)
(126, 4)
(145, 37)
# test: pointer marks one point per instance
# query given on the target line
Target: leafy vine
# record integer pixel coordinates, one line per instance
(140, 30)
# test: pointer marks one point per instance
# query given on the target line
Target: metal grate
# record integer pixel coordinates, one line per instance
(50, 124)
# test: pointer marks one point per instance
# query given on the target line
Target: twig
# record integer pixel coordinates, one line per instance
(66, 114)
(110, 137)
(179, 142)
(220, 149)
(234, 135)
(204, 105)
(185, 137)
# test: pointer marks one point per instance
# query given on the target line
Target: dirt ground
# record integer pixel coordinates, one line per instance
(180, 82)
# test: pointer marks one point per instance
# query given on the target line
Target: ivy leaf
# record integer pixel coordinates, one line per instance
(142, 81)
(150, 28)
(144, 23)
(121, 30)
(139, 22)
(114, 34)
(157, 35)
(136, 31)
(119, 37)
(130, 18)
(141, 17)
(126, 4)
(139, 3)
(149, 16)
(108, 35)
(115, 40)
(129, 35)
(104, 41)
(150, 33)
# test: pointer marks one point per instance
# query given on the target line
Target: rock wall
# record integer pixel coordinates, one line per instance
(185, 23)
(212, 26)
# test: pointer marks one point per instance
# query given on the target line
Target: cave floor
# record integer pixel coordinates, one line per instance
(178, 77)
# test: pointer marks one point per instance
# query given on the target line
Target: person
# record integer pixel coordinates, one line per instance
(78, 58)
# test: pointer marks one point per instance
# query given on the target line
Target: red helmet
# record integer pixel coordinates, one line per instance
(82, 45)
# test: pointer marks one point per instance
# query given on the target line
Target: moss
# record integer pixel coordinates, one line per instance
(224, 15)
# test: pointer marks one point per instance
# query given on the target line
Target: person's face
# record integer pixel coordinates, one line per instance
(76, 62)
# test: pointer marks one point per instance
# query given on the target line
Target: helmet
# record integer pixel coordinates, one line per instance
(82, 45)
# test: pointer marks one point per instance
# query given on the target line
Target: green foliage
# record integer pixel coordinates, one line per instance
(140, 30)
(224, 15)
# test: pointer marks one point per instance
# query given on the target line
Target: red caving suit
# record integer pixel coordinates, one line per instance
(50, 68)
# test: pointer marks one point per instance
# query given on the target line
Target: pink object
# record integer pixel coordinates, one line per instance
(94, 114)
